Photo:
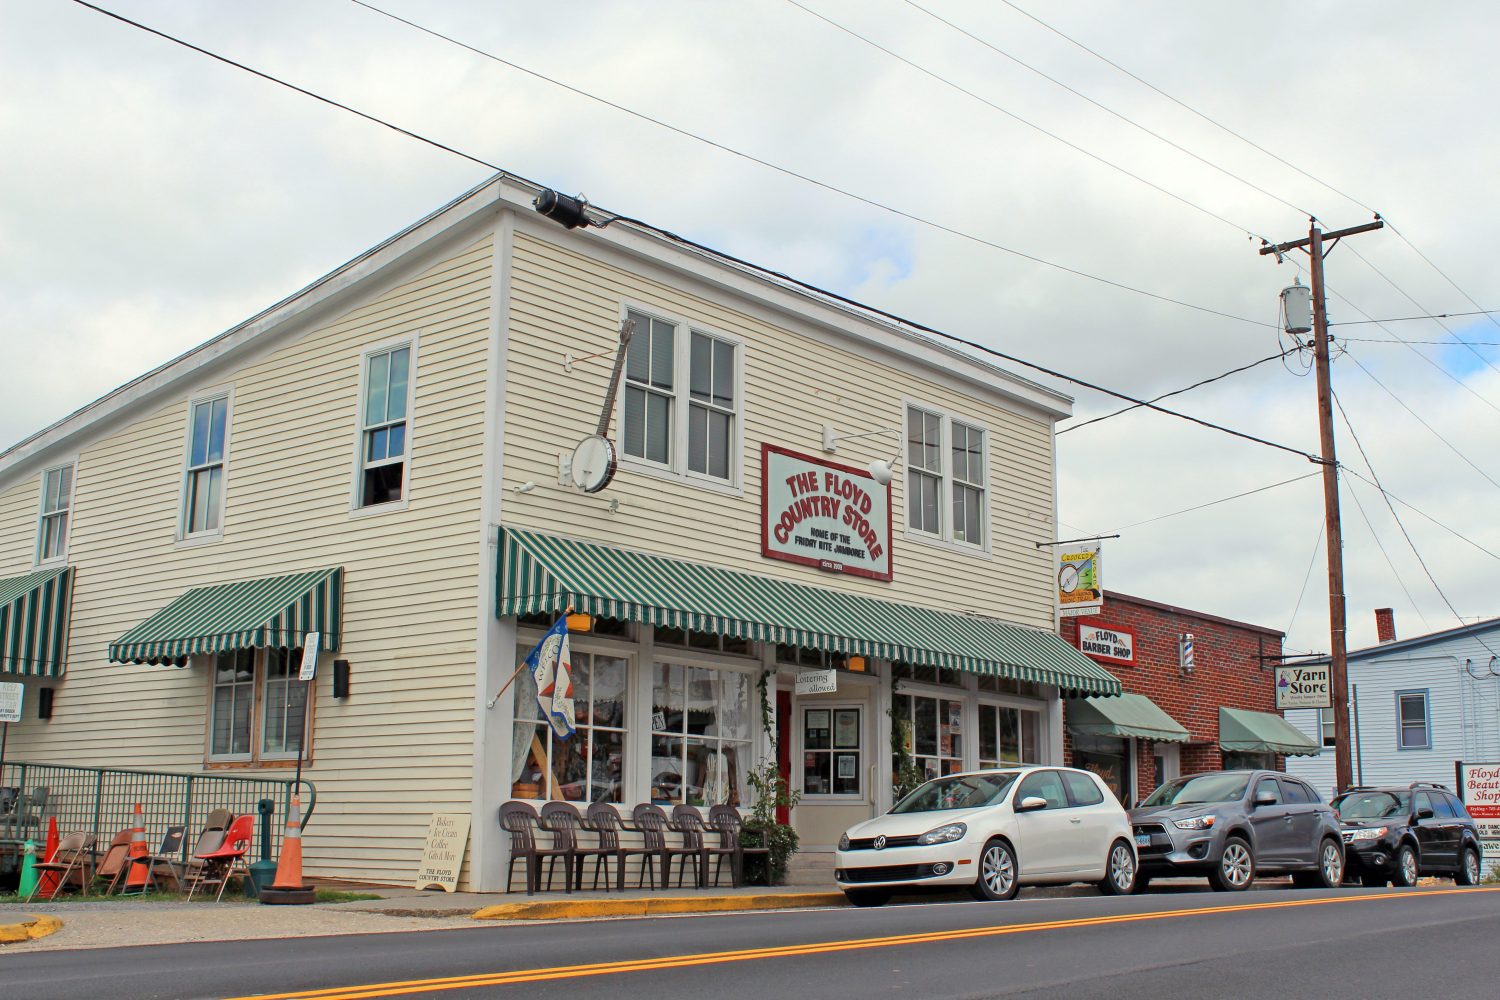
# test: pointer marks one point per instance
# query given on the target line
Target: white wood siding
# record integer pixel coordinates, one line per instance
(401, 747)
(566, 301)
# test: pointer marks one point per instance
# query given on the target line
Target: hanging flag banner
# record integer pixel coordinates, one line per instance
(1079, 587)
(823, 514)
(550, 665)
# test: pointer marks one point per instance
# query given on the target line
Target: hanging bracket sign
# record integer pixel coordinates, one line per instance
(1079, 587)
(823, 514)
(1303, 687)
(310, 648)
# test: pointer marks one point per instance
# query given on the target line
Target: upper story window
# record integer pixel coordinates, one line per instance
(57, 502)
(203, 493)
(384, 441)
(682, 400)
(1413, 721)
(945, 477)
(1330, 730)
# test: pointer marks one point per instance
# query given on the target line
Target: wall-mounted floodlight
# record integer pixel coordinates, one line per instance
(567, 212)
(883, 472)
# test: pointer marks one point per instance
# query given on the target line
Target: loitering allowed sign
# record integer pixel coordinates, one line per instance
(443, 854)
(820, 513)
(817, 682)
(1107, 642)
(1079, 587)
(1303, 687)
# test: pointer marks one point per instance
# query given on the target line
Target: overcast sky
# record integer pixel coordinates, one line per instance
(154, 197)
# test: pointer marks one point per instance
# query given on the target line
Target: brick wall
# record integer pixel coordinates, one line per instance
(1227, 672)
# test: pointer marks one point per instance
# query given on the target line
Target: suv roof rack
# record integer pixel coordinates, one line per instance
(1430, 784)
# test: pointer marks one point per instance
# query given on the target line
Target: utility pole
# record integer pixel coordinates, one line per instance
(1316, 249)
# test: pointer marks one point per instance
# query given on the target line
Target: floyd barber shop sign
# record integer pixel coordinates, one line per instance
(1308, 686)
(823, 514)
(1107, 642)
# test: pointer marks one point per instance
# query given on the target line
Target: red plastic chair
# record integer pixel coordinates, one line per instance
(219, 865)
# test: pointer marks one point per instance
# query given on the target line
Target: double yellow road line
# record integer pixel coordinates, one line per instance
(477, 980)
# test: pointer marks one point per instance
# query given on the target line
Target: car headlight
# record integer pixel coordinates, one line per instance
(1195, 822)
(943, 834)
(844, 842)
(1371, 833)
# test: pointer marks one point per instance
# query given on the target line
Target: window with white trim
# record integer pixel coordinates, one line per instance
(681, 401)
(57, 503)
(1413, 720)
(1330, 730)
(203, 491)
(258, 709)
(946, 491)
(700, 735)
(383, 423)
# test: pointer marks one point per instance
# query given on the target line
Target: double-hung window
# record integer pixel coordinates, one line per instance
(57, 501)
(946, 493)
(384, 441)
(682, 400)
(259, 708)
(203, 494)
(1413, 721)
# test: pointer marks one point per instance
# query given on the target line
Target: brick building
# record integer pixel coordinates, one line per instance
(1199, 696)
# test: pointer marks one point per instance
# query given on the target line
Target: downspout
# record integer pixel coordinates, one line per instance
(1359, 752)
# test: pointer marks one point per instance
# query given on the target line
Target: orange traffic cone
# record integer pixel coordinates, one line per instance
(289, 865)
(51, 881)
(140, 856)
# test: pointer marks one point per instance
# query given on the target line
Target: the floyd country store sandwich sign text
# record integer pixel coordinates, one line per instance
(819, 513)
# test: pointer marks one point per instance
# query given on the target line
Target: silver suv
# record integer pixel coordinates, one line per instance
(1234, 825)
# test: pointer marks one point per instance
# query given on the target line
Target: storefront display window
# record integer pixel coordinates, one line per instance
(1109, 758)
(832, 751)
(700, 735)
(1007, 735)
(710, 641)
(589, 766)
(936, 727)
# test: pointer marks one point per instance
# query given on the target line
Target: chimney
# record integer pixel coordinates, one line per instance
(1385, 624)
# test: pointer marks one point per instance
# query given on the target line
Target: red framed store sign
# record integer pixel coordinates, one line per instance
(824, 514)
(1107, 643)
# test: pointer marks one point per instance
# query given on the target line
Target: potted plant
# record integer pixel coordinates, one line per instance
(761, 828)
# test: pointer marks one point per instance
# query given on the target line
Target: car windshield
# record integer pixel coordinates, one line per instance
(1371, 805)
(1226, 786)
(964, 791)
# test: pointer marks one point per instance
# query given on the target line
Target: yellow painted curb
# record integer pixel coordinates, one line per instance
(29, 930)
(571, 909)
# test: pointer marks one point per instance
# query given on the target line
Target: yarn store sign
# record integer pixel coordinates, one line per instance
(820, 513)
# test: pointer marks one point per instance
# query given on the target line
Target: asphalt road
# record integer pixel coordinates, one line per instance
(1281, 943)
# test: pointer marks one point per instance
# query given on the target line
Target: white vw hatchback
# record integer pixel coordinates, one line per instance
(991, 832)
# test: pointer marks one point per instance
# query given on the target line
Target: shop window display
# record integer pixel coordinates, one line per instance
(1107, 757)
(832, 756)
(700, 735)
(1006, 735)
(936, 728)
(589, 766)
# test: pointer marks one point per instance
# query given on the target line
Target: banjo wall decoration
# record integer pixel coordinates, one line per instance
(594, 458)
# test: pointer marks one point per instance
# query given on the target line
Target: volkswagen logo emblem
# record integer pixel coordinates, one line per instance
(880, 843)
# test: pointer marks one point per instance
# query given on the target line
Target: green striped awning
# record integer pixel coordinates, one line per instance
(275, 611)
(1244, 731)
(546, 573)
(1128, 715)
(34, 622)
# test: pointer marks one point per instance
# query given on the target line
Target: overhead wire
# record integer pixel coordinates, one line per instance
(1317, 544)
(1359, 445)
(1214, 503)
(1370, 526)
(1074, 380)
(1408, 319)
(1419, 511)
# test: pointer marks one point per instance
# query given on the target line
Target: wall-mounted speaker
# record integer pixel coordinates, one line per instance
(341, 678)
(44, 703)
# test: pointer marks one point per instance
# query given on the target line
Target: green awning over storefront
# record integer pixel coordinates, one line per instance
(1243, 731)
(546, 573)
(275, 611)
(1125, 716)
(34, 622)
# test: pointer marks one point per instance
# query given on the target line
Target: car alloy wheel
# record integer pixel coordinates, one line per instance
(998, 870)
(1407, 868)
(1468, 874)
(1121, 873)
(1236, 864)
(1332, 864)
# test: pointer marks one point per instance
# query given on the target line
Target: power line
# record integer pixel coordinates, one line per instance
(1214, 503)
(1435, 433)
(1317, 544)
(1408, 319)
(1103, 107)
(1376, 538)
(1417, 510)
(1024, 121)
(1405, 534)
(1189, 108)
(1178, 392)
(743, 263)
(1486, 313)
(1435, 343)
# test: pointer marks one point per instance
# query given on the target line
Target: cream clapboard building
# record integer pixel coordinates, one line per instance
(382, 458)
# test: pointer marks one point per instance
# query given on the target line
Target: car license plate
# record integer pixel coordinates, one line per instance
(1143, 840)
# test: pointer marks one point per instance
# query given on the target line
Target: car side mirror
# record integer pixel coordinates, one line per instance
(1031, 803)
(1265, 800)
(1424, 814)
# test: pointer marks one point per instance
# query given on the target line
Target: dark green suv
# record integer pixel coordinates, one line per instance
(1394, 835)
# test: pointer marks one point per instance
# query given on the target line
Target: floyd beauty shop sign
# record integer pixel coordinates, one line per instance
(820, 513)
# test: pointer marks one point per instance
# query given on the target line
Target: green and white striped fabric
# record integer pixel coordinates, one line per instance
(275, 611)
(34, 623)
(546, 573)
